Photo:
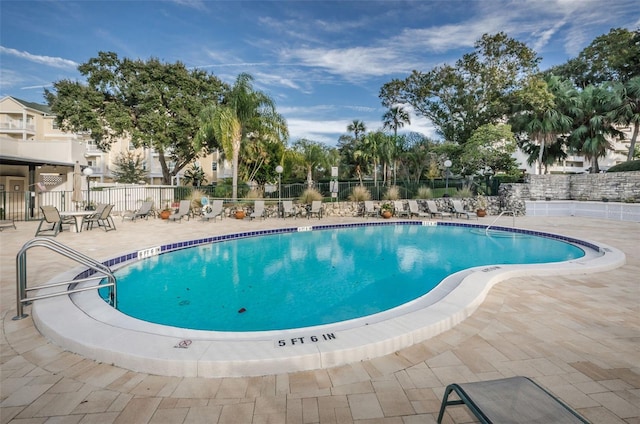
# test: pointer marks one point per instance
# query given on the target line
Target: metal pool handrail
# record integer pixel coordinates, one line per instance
(21, 274)
(486, 231)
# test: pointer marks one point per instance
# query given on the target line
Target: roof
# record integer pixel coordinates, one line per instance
(31, 105)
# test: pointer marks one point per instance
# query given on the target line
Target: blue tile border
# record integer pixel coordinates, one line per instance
(217, 239)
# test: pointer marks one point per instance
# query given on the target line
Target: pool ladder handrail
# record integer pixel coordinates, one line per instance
(21, 274)
(486, 230)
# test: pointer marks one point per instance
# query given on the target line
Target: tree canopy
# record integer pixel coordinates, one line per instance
(155, 104)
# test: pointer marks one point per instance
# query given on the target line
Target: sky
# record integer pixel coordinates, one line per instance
(322, 62)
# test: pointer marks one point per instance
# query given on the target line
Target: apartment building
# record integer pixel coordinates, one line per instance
(35, 154)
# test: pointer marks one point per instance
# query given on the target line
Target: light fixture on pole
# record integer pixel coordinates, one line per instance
(279, 170)
(447, 165)
(88, 172)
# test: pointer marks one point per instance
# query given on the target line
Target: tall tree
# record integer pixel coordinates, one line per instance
(395, 118)
(490, 146)
(592, 124)
(541, 111)
(244, 114)
(626, 109)
(357, 127)
(476, 91)
(155, 104)
(129, 168)
(313, 154)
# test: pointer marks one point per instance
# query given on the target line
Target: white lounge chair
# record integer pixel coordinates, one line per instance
(459, 211)
(369, 209)
(414, 210)
(183, 210)
(258, 210)
(316, 209)
(214, 210)
(50, 215)
(399, 210)
(102, 218)
(433, 210)
(288, 209)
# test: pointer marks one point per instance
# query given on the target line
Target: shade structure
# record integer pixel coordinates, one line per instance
(76, 195)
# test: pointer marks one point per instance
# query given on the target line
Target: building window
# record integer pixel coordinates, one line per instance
(214, 166)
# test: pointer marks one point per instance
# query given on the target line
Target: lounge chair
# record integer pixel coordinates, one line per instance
(510, 400)
(50, 215)
(433, 210)
(143, 212)
(459, 211)
(316, 209)
(414, 210)
(183, 210)
(258, 210)
(399, 209)
(369, 209)
(6, 223)
(102, 218)
(214, 211)
(288, 209)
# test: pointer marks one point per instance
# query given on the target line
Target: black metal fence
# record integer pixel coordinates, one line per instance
(25, 206)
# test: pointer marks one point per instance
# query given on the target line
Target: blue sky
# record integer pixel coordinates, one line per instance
(323, 62)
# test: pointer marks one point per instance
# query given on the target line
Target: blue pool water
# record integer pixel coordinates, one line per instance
(303, 279)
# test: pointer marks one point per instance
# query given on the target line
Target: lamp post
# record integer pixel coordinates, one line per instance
(88, 172)
(447, 165)
(488, 173)
(279, 170)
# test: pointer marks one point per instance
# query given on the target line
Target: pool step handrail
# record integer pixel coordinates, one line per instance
(66, 251)
(486, 231)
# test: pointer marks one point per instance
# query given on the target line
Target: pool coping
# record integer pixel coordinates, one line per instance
(84, 324)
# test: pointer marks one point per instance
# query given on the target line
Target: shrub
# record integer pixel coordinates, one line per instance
(254, 193)
(633, 165)
(196, 198)
(463, 192)
(360, 194)
(424, 192)
(393, 193)
(309, 195)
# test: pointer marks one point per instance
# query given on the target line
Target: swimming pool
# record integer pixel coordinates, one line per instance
(83, 323)
(308, 278)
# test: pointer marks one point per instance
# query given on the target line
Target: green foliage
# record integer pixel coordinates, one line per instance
(195, 176)
(459, 99)
(309, 195)
(129, 168)
(490, 146)
(463, 193)
(424, 193)
(360, 194)
(633, 165)
(155, 104)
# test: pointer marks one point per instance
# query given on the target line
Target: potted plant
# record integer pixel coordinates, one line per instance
(165, 213)
(386, 210)
(481, 205)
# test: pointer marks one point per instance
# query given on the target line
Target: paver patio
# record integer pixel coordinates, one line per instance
(578, 336)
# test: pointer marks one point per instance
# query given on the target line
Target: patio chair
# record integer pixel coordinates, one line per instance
(143, 212)
(510, 400)
(414, 210)
(258, 210)
(102, 218)
(50, 215)
(6, 223)
(369, 209)
(459, 211)
(214, 210)
(399, 209)
(316, 209)
(183, 210)
(434, 211)
(288, 209)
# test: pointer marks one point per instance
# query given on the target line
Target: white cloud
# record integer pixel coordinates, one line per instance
(55, 62)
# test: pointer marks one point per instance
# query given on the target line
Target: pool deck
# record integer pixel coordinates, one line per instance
(577, 335)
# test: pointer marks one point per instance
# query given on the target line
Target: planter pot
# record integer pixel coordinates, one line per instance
(481, 213)
(239, 214)
(165, 214)
(386, 214)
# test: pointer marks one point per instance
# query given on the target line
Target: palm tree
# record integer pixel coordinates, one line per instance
(394, 119)
(244, 113)
(592, 124)
(312, 154)
(542, 112)
(627, 109)
(356, 127)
